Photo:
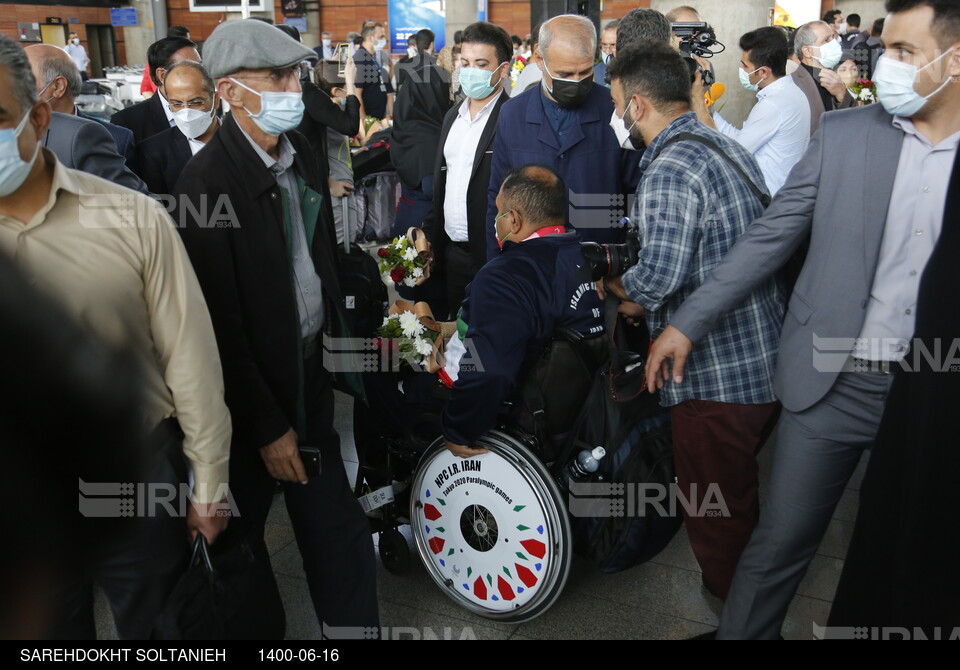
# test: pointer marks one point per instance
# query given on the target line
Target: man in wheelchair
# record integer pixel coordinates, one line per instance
(515, 305)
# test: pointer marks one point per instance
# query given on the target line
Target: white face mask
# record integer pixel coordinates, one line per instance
(843, 28)
(13, 169)
(620, 129)
(895, 82)
(326, 41)
(829, 54)
(192, 122)
(382, 42)
(412, 52)
(75, 40)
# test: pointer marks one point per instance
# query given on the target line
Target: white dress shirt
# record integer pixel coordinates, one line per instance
(777, 131)
(458, 154)
(914, 222)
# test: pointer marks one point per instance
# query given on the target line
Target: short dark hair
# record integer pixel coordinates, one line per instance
(178, 31)
(641, 24)
(877, 30)
(290, 31)
(483, 32)
(652, 68)
(853, 20)
(946, 17)
(458, 37)
(831, 15)
(768, 48)
(425, 38)
(535, 35)
(539, 192)
(369, 30)
(516, 40)
(160, 53)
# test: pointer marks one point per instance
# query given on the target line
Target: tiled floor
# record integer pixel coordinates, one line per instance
(662, 599)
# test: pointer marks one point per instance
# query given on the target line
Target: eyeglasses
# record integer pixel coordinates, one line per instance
(194, 103)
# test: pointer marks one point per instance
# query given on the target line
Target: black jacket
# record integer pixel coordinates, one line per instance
(433, 226)
(418, 113)
(321, 113)
(145, 118)
(901, 568)
(241, 262)
(162, 159)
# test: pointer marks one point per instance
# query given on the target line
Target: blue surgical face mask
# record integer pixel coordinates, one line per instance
(13, 169)
(476, 82)
(326, 41)
(279, 111)
(895, 85)
(830, 54)
(745, 80)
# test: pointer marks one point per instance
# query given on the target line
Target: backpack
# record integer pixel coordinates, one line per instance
(610, 526)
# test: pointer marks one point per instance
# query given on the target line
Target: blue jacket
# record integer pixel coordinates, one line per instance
(593, 166)
(123, 137)
(513, 307)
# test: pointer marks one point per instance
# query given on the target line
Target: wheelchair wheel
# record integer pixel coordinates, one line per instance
(492, 530)
(394, 551)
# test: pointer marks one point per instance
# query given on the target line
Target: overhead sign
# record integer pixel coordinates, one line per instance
(407, 17)
(125, 16)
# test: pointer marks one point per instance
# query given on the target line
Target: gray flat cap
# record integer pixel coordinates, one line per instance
(249, 44)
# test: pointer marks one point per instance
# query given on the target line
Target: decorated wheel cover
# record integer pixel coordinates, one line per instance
(491, 529)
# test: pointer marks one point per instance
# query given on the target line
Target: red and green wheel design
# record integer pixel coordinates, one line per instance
(492, 530)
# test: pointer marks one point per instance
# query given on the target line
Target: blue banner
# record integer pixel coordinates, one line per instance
(409, 16)
(125, 16)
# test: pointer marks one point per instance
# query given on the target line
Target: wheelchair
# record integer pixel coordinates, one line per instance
(492, 530)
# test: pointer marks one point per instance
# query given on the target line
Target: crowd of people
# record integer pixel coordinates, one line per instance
(789, 271)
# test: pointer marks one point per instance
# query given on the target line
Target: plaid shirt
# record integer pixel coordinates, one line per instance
(691, 207)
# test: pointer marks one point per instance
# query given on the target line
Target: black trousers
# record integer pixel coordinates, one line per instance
(138, 570)
(460, 269)
(331, 530)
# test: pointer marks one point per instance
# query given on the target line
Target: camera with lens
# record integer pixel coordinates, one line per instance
(697, 39)
(612, 260)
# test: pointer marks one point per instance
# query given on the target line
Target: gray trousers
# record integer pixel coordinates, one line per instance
(817, 451)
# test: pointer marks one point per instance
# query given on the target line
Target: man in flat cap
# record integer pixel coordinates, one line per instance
(267, 266)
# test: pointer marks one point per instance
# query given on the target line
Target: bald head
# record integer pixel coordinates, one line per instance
(574, 33)
(56, 75)
(537, 194)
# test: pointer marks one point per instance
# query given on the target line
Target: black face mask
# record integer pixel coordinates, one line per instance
(571, 93)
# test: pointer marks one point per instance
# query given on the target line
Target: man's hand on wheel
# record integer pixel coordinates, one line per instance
(282, 459)
(463, 451)
(672, 344)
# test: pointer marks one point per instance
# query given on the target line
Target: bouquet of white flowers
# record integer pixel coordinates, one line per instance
(419, 337)
(406, 260)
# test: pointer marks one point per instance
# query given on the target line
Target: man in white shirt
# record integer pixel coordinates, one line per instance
(777, 131)
(456, 225)
(78, 54)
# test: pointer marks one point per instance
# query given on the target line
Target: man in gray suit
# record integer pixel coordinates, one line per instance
(851, 317)
(58, 78)
(86, 145)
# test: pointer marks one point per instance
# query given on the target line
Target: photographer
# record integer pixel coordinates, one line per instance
(691, 207)
(778, 129)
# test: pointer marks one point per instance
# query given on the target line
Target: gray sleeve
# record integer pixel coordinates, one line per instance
(95, 152)
(764, 248)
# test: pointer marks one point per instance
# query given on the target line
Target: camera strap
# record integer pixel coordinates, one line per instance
(763, 197)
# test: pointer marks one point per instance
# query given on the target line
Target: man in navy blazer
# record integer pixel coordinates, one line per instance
(564, 124)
